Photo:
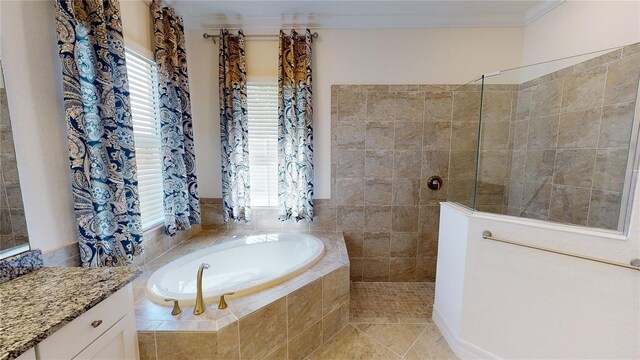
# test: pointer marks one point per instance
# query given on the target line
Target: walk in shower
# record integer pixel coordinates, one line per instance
(553, 141)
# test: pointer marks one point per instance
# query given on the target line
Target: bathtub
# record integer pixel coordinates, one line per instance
(242, 265)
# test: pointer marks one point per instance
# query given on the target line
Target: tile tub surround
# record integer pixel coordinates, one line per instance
(572, 139)
(20, 264)
(39, 303)
(294, 317)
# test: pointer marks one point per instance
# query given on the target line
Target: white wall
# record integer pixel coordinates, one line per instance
(577, 27)
(371, 56)
(34, 90)
(33, 77)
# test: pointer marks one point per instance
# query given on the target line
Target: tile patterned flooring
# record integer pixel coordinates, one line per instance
(388, 321)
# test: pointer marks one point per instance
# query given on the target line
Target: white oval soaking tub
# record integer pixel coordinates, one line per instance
(242, 265)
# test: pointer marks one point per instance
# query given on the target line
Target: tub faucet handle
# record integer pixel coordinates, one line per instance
(176, 307)
(223, 303)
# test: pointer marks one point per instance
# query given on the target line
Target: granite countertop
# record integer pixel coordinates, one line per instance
(35, 305)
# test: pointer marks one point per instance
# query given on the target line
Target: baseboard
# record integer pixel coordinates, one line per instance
(462, 348)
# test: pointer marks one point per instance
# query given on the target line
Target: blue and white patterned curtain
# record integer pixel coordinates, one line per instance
(100, 131)
(295, 129)
(234, 136)
(181, 200)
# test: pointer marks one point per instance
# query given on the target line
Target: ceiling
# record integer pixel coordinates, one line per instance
(269, 15)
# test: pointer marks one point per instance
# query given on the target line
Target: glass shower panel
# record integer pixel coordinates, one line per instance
(463, 155)
(556, 139)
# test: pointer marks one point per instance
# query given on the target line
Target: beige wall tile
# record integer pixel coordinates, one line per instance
(429, 219)
(496, 106)
(543, 132)
(539, 165)
(375, 269)
(354, 240)
(610, 169)
(324, 218)
(433, 197)
(408, 136)
(426, 270)
(438, 106)
(495, 135)
(355, 269)
(536, 197)
(524, 104)
(464, 135)
(147, 345)
(352, 106)
(381, 106)
(435, 163)
(379, 136)
(427, 245)
(622, 80)
(228, 343)
(335, 321)
(351, 163)
(462, 164)
(404, 245)
(466, 106)
(406, 164)
(350, 218)
(304, 307)
(579, 129)
(605, 209)
(584, 90)
(377, 191)
(402, 269)
(306, 342)
(410, 106)
(405, 218)
(406, 191)
(574, 167)
(379, 164)
(376, 244)
(570, 204)
(436, 136)
(335, 289)
(377, 218)
(546, 99)
(350, 135)
(186, 345)
(616, 125)
(349, 191)
(264, 330)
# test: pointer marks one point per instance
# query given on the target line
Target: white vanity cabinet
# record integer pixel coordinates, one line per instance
(106, 331)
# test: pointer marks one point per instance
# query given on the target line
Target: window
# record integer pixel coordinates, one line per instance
(143, 89)
(262, 111)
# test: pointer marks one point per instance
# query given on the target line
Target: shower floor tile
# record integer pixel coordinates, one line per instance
(388, 321)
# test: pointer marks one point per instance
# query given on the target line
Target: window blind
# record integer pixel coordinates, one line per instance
(143, 92)
(262, 111)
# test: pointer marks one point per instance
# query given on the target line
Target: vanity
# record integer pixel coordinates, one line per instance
(69, 313)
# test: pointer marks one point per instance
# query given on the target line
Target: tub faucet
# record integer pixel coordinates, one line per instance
(200, 308)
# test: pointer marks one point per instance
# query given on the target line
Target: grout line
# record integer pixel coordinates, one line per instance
(374, 340)
(414, 343)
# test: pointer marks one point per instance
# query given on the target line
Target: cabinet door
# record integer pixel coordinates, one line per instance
(119, 342)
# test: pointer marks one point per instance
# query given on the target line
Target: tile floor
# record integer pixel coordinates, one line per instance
(388, 321)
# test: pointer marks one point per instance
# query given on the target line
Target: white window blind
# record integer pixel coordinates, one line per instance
(143, 90)
(262, 111)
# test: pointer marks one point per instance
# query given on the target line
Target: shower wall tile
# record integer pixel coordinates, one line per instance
(406, 164)
(467, 105)
(622, 80)
(438, 106)
(379, 136)
(546, 99)
(378, 191)
(437, 135)
(578, 179)
(579, 129)
(584, 90)
(570, 204)
(378, 164)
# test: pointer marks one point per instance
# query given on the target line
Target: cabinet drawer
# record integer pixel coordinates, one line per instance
(72, 338)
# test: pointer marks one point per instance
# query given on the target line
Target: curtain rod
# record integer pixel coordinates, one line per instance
(214, 37)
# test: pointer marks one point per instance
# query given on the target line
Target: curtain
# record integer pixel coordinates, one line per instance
(100, 131)
(180, 185)
(234, 135)
(295, 130)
